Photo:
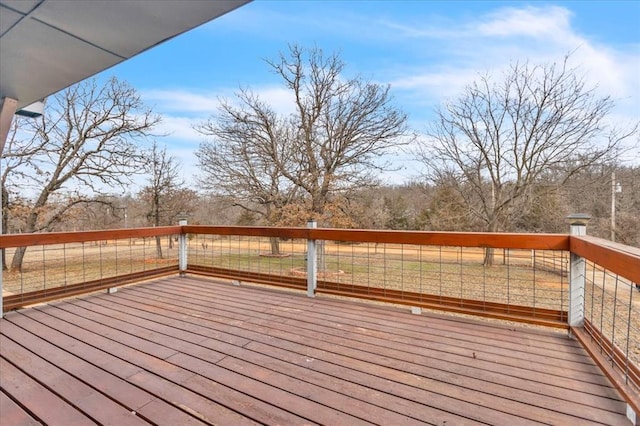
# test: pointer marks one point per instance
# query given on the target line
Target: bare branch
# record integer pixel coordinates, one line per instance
(498, 140)
(84, 141)
(330, 144)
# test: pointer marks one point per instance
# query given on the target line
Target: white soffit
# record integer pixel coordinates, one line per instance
(47, 45)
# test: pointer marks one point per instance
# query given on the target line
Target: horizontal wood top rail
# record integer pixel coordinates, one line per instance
(248, 231)
(48, 238)
(460, 239)
(617, 258)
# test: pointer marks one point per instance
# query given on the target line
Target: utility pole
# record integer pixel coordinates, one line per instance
(613, 206)
(615, 187)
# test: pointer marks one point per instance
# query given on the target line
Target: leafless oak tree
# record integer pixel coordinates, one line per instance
(331, 143)
(496, 141)
(82, 146)
(163, 181)
(244, 157)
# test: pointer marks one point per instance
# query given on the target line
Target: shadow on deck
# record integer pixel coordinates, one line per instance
(194, 351)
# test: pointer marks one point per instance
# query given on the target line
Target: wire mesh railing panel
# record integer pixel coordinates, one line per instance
(612, 313)
(510, 281)
(509, 278)
(258, 255)
(53, 268)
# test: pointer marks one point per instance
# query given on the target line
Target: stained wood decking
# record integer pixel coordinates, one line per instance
(183, 351)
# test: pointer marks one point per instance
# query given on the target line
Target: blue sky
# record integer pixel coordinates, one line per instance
(426, 50)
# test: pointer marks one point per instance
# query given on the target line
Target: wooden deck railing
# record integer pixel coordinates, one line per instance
(62, 264)
(423, 270)
(436, 270)
(610, 329)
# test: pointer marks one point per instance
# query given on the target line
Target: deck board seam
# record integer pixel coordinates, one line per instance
(179, 384)
(173, 301)
(516, 358)
(399, 328)
(54, 340)
(93, 313)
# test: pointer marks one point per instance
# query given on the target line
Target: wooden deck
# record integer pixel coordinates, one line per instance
(181, 351)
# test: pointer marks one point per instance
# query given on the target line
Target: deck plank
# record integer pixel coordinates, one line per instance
(543, 393)
(13, 414)
(198, 351)
(175, 376)
(40, 402)
(542, 400)
(105, 372)
(85, 398)
(463, 356)
(483, 337)
(399, 405)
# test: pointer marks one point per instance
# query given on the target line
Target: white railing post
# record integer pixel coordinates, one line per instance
(182, 246)
(312, 263)
(577, 272)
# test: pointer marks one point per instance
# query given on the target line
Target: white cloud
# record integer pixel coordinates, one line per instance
(181, 100)
(535, 22)
(460, 51)
(281, 100)
(503, 23)
(182, 110)
(205, 103)
(180, 128)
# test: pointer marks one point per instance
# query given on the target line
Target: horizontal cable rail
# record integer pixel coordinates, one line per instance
(57, 265)
(423, 269)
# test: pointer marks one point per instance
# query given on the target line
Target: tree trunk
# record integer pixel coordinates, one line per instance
(158, 248)
(489, 255)
(5, 223)
(30, 226)
(18, 256)
(275, 246)
(490, 252)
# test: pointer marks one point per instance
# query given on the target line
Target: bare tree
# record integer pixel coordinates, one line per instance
(244, 158)
(163, 170)
(332, 142)
(498, 139)
(82, 146)
(341, 127)
(16, 156)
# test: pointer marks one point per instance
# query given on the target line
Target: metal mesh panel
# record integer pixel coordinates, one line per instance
(612, 312)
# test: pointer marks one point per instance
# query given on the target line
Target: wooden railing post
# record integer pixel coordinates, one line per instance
(577, 272)
(182, 246)
(312, 263)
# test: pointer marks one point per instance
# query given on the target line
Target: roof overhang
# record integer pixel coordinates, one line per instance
(48, 45)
